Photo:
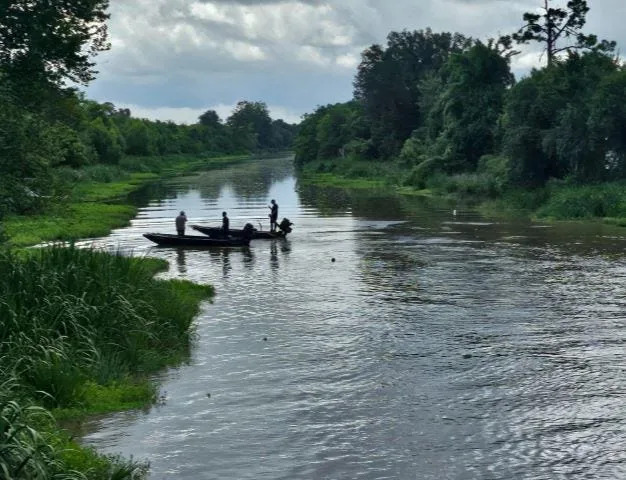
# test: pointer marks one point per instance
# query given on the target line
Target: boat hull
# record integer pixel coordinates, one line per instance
(216, 232)
(167, 240)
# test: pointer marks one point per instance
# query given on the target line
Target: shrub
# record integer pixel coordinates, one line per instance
(419, 174)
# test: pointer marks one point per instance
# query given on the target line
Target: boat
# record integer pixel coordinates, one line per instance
(216, 232)
(168, 240)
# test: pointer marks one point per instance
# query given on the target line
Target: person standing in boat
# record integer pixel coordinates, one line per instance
(181, 220)
(273, 215)
(225, 224)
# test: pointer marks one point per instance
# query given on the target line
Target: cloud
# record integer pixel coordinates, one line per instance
(173, 57)
(190, 116)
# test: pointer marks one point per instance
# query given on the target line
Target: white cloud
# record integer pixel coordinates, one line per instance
(348, 60)
(165, 114)
(169, 55)
(190, 116)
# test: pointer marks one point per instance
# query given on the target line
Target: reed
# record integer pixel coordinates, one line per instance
(79, 332)
(69, 316)
(568, 201)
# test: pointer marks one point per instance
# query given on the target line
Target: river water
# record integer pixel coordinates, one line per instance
(435, 346)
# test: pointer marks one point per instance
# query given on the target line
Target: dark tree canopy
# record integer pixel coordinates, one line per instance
(209, 118)
(52, 40)
(254, 118)
(387, 82)
(470, 101)
(560, 24)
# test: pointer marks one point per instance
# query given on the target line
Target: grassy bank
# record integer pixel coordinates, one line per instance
(350, 174)
(486, 190)
(89, 200)
(80, 331)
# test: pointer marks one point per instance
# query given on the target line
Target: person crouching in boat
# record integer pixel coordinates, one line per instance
(225, 224)
(181, 220)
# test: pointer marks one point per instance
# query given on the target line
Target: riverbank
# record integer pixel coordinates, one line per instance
(82, 331)
(91, 203)
(485, 192)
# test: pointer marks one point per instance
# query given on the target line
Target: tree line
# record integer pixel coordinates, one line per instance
(445, 103)
(45, 125)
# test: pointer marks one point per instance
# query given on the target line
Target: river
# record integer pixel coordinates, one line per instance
(436, 345)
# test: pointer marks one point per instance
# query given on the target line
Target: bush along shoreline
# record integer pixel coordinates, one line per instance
(443, 113)
(80, 332)
(485, 190)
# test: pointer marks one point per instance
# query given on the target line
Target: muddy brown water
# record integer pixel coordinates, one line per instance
(435, 346)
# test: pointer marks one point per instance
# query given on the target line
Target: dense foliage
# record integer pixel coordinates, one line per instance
(441, 104)
(45, 125)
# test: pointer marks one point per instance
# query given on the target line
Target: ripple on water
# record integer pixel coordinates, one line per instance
(490, 350)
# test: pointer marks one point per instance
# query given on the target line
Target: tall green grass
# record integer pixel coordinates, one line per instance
(351, 173)
(80, 330)
(607, 200)
(32, 447)
(68, 315)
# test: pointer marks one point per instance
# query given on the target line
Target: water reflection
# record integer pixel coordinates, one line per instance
(247, 184)
(274, 254)
(247, 257)
(180, 261)
(226, 266)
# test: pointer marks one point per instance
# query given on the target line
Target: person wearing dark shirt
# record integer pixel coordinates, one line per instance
(225, 224)
(273, 215)
(181, 220)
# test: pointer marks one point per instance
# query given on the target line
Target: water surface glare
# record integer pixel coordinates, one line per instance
(435, 346)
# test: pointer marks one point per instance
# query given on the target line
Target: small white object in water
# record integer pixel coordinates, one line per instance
(454, 212)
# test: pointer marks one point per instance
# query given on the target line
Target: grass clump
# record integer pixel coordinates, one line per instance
(32, 446)
(69, 315)
(606, 200)
(80, 331)
(67, 223)
(350, 173)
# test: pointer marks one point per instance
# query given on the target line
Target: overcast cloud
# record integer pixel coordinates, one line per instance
(174, 59)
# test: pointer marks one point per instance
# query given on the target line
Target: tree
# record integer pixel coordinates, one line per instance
(27, 149)
(52, 40)
(546, 129)
(471, 97)
(210, 118)
(556, 24)
(252, 118)
(388, 79)
(607, 121)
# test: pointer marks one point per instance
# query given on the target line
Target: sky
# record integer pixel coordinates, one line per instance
(174, 59)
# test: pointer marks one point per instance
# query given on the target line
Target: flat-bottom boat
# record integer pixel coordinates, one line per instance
(216, 232)
(284, 227)
(168, 240)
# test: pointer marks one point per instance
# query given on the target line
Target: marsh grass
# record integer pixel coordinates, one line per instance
(67, 222)
(32, 446)
(70, 316)
(566, 202)
(350, 173)
(80, 331)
